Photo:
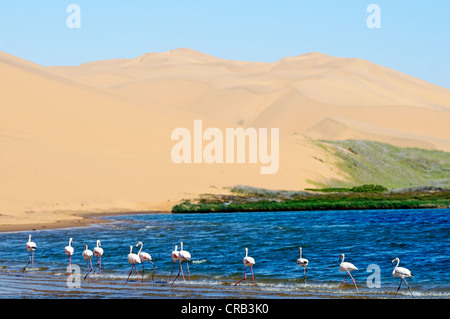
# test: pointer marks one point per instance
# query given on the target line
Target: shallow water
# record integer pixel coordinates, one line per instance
(420, 238)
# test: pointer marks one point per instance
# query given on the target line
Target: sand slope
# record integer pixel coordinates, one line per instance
(70, 146)
(96, 137)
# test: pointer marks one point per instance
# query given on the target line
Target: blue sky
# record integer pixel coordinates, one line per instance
(414, 37)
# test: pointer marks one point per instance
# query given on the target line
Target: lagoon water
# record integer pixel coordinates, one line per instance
(216, 241)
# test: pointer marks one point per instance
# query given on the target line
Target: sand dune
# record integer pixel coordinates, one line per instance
(294, 93)
(96, 137)
(68, 146)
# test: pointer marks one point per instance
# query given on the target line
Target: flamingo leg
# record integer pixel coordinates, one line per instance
(398, 287)
(344, 279)
(32, 259)
(253, 277)
(245, 276)
(304, 277)
(130, 272)
(27, 264)
(70, 265)
(408, 287)
(181, 268)
(153, 275)
(189, 273)
(96, 266)
(89, 270)
(100, 267)
(137, 274)
(353, 280)
(173, 263)
(143, 268)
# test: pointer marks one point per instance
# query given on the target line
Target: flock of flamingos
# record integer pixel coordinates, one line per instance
(183, 255)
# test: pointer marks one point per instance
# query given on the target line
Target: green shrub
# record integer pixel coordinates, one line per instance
(369, 188)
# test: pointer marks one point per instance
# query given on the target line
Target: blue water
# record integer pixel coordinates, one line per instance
(216, 241)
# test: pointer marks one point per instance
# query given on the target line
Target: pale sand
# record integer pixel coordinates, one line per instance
(96, 138)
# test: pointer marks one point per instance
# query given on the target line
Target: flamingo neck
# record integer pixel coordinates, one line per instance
(343, 256)
(29, 238)
(142, 245)
(300, 251)
(398, 262)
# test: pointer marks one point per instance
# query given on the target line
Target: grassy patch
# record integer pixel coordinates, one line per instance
(257, 200)
(366, 162)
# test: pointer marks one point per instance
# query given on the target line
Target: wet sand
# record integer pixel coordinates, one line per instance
(81, 219)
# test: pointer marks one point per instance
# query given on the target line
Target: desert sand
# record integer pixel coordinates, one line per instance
(95, 138)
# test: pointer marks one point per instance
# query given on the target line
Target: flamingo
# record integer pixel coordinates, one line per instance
(248, 261)
(302, 262)
(175, 257)
(143, 256)
(402, 273)
(347, 267)
(183, 255)
(87, 255)
(98, 252)
(133, 259)
(69, 252)
(31, 247)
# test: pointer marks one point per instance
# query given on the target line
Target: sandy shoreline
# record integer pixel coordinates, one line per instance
(80, 219)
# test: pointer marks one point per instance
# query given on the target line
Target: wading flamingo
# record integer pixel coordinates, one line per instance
(302, 262)
(143, 256)
(98, 252)
(133, 259)
(69, 252)
(87, 255)
(248, 262)
(347, 267)
(402, 273)
(175, 257)
(31, 247)
(183, 255)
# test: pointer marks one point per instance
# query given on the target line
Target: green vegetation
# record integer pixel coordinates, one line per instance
(253, 199)
(368, 188)
(389, 177)
(367, 162)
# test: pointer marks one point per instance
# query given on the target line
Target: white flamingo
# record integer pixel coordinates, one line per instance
(184, 255)
(175, 257)
(248, 262)
(98, 252)
(69, 252)
(31, 247)
(302, 262)
(402, 273)
(133, 259)
(143, 256)
(87, 255)
(347, 267)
